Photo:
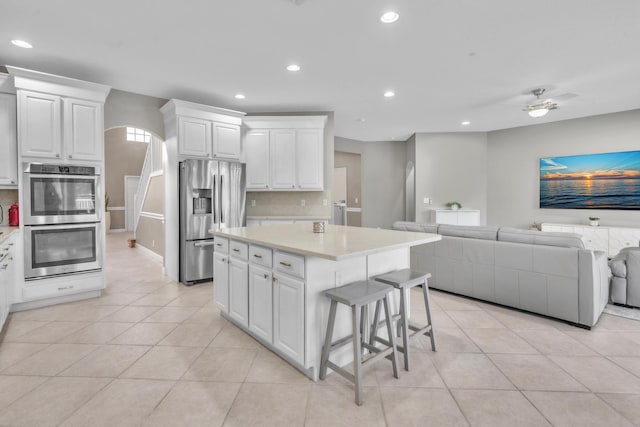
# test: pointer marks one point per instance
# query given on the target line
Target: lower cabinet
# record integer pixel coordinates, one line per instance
(239, 291)
(221, 281)
(288, 316)
(261, 302)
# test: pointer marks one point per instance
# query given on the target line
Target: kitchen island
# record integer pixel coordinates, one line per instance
(269, 281)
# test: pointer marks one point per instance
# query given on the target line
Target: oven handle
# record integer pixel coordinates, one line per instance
(51, 175)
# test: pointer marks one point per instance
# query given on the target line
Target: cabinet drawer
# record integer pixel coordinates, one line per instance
(221, 245)
(260, 255)
(238, 249)
(289, 263)
(34, 290)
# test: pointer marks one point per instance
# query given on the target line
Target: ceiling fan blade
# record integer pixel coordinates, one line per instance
(562, 97)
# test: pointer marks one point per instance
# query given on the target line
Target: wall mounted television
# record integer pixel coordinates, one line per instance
(591, 181)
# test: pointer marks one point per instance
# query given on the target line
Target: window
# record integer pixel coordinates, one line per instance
(138, 135)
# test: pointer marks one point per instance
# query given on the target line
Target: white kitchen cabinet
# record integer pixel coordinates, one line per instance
(8, 141)
(40, 123)
(256, 145)
(221, 281)
(261, 302)
(8, 274)
(83, 131)
(288, 316)
(282, 155)
(309, 159)
(194, 137)
(226, 141)
(239, 291)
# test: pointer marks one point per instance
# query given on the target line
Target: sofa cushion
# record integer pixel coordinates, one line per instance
(471, 231)
(516, 235)
(618, 267)
(416, 226)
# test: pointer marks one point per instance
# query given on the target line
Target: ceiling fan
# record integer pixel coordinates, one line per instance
(539, 108)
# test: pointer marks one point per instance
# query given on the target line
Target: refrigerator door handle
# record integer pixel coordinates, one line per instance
(221, 195)
(216, 202)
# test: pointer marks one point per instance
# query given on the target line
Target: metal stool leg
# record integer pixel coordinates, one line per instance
(374, 325)
(427, 304)
(357, 355)
(405, 327)
(327, 340)
(392, 339)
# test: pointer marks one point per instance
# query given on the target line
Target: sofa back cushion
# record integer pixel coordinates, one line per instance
(415, 226)
(470, 231)
(516, 235)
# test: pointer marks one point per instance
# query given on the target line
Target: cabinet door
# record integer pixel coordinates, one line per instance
(595, 238)
(83, 130)
(447, 217)
(468, 218)
(288, 317)
(261, 302)
(622, 238)
(39, 119)
(221, 281)
(8, 140)
(194, 137)
(283, 159)
(256, 152)
(226, 141)
(239, 291)
(309, 159)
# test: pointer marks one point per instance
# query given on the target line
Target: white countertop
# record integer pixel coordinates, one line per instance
(6, 231)
(336, 243)
(294, 217)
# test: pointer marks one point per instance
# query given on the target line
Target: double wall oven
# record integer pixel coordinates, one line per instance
(62, 219)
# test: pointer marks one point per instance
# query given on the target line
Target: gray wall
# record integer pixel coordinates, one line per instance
(450, 167)
(131, 109)
(513, 166)
(383, 166)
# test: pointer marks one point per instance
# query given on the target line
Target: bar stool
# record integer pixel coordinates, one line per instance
(358, 295)
(404, 280)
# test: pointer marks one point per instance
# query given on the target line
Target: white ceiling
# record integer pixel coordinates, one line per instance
(446, 60)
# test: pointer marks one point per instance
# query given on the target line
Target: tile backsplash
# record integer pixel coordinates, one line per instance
(289, 203)
(7, 198)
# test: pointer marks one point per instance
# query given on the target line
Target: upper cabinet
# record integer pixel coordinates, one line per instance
(204, 131)
(284, 153)
(8, 137)
(59, 118)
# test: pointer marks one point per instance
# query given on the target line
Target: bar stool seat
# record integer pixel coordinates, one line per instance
(403, 280)
(358, 295)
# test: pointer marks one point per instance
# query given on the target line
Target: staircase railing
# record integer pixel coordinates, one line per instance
(152, 163)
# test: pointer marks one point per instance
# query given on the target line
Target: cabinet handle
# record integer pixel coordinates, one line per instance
(70, 156)
(236, 250)
(13, 182)
(64, 288)
(274, 279)
(266, 276)
(257, 256)
(11, 244)
(286, 264)
(4, 267)
(58, 156)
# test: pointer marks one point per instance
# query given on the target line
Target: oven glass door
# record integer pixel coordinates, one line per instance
(61, 249)
(61, 199)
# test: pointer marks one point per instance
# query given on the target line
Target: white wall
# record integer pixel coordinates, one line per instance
(131, 109)
(450, 167)
(383, 169)
(513, 166)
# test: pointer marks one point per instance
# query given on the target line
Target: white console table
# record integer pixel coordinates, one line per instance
(455, 217)
(608, 239)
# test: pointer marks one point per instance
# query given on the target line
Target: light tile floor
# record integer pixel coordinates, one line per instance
(152, 352)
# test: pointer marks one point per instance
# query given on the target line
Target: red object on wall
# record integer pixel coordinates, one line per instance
(14, 215)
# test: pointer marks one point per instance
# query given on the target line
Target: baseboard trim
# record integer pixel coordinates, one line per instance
(116, 230)
(149, 253)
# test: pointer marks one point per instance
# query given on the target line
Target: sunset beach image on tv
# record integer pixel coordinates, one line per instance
(591, 181)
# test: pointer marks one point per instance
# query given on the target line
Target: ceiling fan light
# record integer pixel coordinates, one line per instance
(538, 112)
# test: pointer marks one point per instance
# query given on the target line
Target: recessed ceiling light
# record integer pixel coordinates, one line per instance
(22, 43)
(389, 17)
(293, 67)
(389, 94)
(239, 96)
(466, 123)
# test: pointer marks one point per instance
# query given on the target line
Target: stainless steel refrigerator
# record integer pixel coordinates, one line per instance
(212, 195)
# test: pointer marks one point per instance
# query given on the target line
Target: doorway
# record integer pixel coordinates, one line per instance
(351, 165)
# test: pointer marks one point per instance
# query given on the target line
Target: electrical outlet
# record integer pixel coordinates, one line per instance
(427, 200)
(253, 203)
(303, 203)
(338, 278)
(324, 202)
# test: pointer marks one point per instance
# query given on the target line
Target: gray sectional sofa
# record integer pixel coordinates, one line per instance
(541, 272)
